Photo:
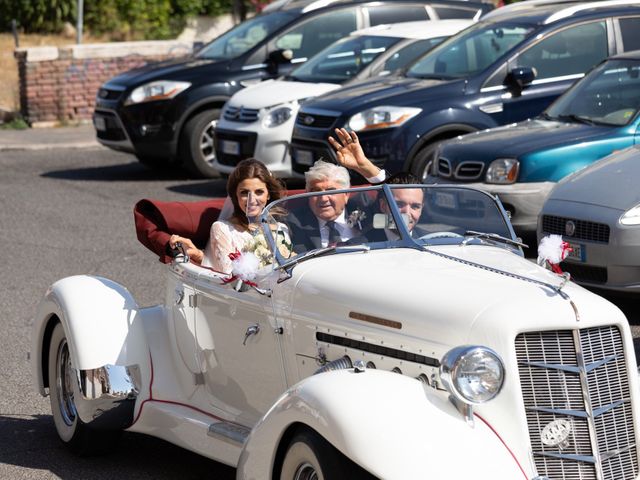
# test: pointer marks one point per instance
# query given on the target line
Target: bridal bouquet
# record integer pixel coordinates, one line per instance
(259, 247)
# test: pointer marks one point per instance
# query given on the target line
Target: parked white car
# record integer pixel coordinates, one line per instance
(258, 121)
(436, 352)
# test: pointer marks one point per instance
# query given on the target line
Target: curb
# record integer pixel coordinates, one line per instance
(55, 146)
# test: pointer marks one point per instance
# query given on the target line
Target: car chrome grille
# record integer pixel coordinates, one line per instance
(315, 121)
(584, 230)
(585, 273)
(578, 377)
(240, 114)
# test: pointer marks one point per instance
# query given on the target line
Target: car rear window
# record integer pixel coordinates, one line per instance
(445, 13)
(630, 29)
(396, 14)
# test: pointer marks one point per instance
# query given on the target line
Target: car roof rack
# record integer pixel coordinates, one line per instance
(527, 5)
(567, 12)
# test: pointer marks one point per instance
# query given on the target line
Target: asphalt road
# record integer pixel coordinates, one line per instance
(66, 212)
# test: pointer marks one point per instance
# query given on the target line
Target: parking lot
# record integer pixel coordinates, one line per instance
(68, 211)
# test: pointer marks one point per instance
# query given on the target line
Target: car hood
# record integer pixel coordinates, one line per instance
(611, 182)
(183, 68)
(521, 138)
(275, 92)
(387, 91)
(408, 286)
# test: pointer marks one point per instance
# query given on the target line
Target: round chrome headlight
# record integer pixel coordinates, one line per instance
(472, 373)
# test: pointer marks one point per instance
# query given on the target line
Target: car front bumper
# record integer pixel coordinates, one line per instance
(606, 254)
(236, 141)
(105, 397)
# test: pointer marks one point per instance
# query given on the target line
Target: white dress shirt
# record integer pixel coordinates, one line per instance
(345, 231)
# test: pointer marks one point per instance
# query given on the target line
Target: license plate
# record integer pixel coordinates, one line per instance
(304, 157)
(100, 123)
(231, 148)
(445, 200)
(578, 252)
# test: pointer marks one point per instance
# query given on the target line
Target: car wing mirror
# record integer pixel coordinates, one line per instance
(277, 58)
(518, 78)
(385, 220)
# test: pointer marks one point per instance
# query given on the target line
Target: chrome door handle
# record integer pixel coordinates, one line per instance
(251, 330)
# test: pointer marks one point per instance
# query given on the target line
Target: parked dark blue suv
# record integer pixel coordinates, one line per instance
(167, 112)
(506, 68)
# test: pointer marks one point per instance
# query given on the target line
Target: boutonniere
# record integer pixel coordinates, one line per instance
(355, 219)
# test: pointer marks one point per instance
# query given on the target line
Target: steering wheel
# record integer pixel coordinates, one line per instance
(432, 235)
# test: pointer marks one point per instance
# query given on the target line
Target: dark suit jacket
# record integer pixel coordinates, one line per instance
(304, 232)
(379, 234)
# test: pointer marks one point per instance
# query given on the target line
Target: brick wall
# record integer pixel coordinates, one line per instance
(59, 84)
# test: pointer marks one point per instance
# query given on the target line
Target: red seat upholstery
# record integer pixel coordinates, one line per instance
(156, 221)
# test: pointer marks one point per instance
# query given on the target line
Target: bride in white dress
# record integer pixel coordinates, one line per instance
(250, 187)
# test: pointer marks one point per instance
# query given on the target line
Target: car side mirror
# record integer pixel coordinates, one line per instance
(518, 78)
(277, 58)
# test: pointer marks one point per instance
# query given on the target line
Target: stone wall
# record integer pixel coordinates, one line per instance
(59, 84)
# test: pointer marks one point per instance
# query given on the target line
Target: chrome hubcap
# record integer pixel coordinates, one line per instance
(306, 472)
(207, 143)
(64, 385)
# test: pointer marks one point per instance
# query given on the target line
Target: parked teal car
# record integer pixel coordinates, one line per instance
(522, 162)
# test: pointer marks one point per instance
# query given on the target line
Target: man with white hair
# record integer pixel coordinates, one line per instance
(329, 224)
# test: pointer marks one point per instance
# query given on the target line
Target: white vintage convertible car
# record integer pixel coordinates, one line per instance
(426, 346)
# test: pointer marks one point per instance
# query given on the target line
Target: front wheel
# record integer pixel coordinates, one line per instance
(197, 145)
(423, 162)
(72, 431)
(311, 457)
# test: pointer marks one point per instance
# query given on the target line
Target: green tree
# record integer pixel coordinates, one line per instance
(116, 19)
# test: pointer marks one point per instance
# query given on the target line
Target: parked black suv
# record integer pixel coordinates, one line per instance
(506, 68)
(166, 111)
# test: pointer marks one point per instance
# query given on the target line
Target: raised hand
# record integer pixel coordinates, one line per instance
(350, 155)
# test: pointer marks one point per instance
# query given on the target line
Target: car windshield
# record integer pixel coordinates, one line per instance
(389, 216)
(343, 60)
(245, 36)
(609, 95)
(469, 52)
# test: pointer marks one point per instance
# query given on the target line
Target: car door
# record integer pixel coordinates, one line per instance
(559, 58)
(239, 348)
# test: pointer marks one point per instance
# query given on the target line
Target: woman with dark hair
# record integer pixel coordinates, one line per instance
(250, 187)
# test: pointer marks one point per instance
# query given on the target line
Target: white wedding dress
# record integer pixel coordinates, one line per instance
(224, 239)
